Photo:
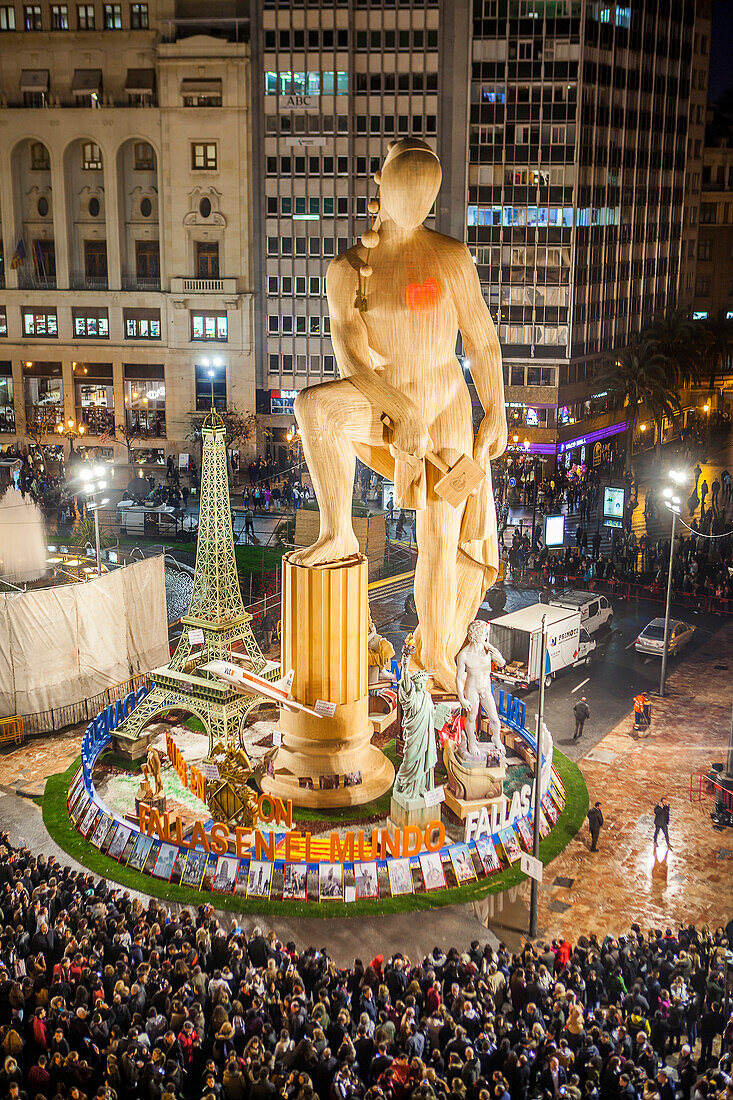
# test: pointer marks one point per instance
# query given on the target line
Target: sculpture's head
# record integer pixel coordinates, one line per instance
(420, 679)
(409, 182)
(478, 632)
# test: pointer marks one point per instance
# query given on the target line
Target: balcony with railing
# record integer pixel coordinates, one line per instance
(191, 284)
(35, 280)
(146, 423)
(97, 419)
(141, 282)
(79, 280)
(43, 418)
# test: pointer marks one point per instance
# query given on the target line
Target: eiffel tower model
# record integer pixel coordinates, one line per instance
(217, 610)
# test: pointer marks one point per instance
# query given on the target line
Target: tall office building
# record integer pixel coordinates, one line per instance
(333, 83)
(582, 133)
(125, 199)
(570, 134)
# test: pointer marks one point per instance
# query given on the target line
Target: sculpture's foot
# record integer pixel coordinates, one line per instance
(328, 548)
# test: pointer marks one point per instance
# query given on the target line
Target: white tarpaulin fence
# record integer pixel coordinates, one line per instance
(59, 646)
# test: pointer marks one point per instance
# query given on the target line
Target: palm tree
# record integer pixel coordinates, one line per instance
(677, 339)
(717, 346)
(639, 376)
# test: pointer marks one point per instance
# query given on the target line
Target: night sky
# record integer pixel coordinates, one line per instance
(721, 73)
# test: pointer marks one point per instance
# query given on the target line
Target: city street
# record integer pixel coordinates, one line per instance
(609, 682)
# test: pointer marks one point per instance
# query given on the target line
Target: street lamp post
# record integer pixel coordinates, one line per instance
(675, 512)
(93, 485)
(533, 889)
(70, 430)
(673, 504)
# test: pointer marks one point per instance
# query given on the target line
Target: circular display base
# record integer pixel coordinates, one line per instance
(374, 779)
(62, 829)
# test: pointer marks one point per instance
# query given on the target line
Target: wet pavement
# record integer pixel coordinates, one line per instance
(625, 881)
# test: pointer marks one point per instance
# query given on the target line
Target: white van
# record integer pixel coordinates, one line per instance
(518, 637)
(140, 519)
(595, 610)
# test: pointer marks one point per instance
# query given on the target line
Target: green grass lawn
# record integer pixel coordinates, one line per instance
(249, 558)
(56, 820)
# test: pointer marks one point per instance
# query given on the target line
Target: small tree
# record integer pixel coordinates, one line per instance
(240, 427)
(43, 423)
(125, 433)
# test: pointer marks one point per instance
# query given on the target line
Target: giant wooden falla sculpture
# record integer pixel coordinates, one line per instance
(396, 302)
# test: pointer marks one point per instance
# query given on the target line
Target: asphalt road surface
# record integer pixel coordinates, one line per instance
(615, 674)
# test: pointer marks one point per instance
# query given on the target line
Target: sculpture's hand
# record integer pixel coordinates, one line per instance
(409, 433)
(491, 438)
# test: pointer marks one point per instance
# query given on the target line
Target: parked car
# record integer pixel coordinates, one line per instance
(651, 639)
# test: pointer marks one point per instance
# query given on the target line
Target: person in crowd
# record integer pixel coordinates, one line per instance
(105, 996)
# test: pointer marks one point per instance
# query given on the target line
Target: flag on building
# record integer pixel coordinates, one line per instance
(18, 255)
(39, 257)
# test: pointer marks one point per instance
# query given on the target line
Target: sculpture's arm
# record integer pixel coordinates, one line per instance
(481, 345)
(350, 342)
(496, 657)
(461, 677)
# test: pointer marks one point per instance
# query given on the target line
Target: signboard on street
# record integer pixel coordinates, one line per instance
(531, 866)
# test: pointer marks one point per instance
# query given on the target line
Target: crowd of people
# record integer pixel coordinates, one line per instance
(105, 996)
(703, 551)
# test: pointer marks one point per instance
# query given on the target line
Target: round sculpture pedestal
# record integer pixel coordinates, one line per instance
(327, 762)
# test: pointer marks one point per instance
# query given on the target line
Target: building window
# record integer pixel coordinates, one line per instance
(32, 17)
(44, 258)
(203, 156)
(139, 17)
(113, 17)
(7, 407)
(95, 262)
(704, 250)
(208, 387)
(209, 326)
(91, 323)
(708, 213)
(39, 322)
(702, 286)
(207, 259)
(40, 160)
(145, 402)
(147, 262)
(144, 155)
(3, 321)
(85, 20)
(7, 18)
(91, 157)
(59, 17)
(142, 324)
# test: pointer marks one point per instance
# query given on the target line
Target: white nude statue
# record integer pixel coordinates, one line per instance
(473, 687)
